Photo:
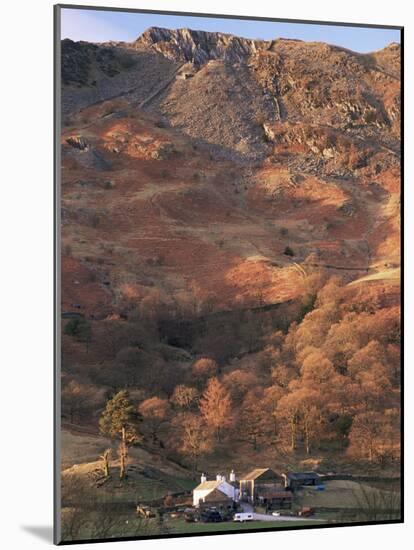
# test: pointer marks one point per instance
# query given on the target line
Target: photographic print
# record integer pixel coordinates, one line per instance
(228, 320)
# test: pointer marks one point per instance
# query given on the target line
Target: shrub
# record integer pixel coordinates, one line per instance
(79, 328)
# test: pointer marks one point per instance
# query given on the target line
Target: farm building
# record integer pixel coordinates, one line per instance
(295, 480)
(217, 499)
(274, 499)
(216, 492)
(259, 481)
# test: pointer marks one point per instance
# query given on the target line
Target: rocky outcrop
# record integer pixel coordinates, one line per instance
(199, 47)
(78, 142)
(229, 91)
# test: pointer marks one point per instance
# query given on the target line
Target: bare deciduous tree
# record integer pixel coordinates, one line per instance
(185, 397)
(105, 461)
(195, 441)
(154, 411)
(216, 407)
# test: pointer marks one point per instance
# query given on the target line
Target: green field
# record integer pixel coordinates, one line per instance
(180, 526)
(129, 525)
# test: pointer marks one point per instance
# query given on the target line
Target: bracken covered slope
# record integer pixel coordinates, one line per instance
(208, 164)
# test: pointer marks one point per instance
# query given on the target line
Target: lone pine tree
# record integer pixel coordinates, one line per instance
(120, 421)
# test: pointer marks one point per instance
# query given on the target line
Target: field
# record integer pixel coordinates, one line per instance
(353, 501)
(341, 494)
(180, 526)
(128, 526)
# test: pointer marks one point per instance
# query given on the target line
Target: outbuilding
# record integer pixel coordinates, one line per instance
(295, 480)
(257, 481)
(276, 499)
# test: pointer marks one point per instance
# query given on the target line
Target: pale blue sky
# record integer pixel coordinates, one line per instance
(101, 26)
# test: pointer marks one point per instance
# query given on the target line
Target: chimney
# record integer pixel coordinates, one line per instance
(232, 477)
(203, 478)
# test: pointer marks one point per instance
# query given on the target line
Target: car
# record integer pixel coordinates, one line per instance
(276, 514)
(190, 515)
(227, 515)
(178, 512)
(243, 516)
(306, 511)
(210, 516)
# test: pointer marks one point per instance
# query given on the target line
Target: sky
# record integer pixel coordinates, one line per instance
(102, 26)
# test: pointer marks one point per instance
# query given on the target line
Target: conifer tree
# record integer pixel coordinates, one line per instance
(120, 420)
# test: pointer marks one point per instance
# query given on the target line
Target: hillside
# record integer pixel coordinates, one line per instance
(323, 121)
(230, 223)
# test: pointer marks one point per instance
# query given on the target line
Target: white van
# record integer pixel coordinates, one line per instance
(243, 516)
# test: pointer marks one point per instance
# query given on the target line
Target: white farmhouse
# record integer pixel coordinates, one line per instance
(211, 490)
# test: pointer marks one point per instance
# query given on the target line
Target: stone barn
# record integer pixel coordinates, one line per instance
(259, 481)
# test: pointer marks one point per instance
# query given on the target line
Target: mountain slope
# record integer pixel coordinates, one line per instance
(226, 165)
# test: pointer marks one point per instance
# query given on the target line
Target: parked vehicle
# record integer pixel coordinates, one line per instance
(227, 515)
(190, 515)
(243, 516)
(276, 514)
(306, 511)
(210, 516)
(145, 511)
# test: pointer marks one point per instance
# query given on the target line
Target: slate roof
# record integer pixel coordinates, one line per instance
(299, 476)
(254, 474)
(208, 485)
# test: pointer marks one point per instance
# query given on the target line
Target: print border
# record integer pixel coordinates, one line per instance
(57, 271)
